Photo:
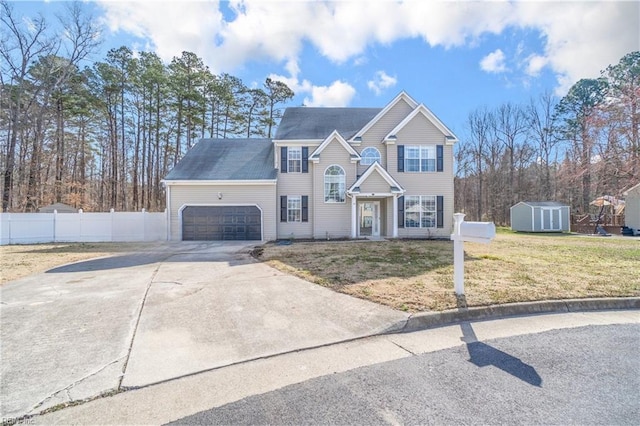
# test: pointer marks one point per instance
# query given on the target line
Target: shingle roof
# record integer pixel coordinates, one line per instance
(544, 203)
(227, 159)
(318, 123)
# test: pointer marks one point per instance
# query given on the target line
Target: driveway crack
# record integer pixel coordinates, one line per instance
(402, 347)
(135, 328)
(67, 388)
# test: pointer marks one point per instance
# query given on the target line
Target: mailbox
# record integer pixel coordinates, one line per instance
(479, 232)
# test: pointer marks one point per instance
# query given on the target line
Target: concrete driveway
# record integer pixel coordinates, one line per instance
(128, 321)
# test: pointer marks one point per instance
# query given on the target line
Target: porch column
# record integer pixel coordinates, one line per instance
(395, 216)
(354, 217)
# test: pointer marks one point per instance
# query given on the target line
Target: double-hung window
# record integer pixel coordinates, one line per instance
(420, 158)
(294, 159)
(294, 209)
(420, 211)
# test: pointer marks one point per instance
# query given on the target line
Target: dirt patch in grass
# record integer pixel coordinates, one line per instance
(418, 275)
(22, 260)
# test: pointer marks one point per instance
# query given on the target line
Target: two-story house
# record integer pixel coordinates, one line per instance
(328, 173)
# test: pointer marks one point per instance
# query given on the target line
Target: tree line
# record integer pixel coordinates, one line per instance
(573, 150)
(100, 135)
(104, 135)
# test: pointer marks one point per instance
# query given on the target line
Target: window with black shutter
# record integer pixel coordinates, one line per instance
(283, 208)
(440, 211)
(283, 160)
(305, 208)
(305, 159)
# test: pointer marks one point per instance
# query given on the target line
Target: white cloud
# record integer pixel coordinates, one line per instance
(171, 27)
(534, 65)
(582, 38)
(579, 38)
(338, 94)
(494, 62)
(381, 81)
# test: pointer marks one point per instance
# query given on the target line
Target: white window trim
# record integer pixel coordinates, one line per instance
(298, 160)
(344, 186)
(364, 158)
(290, 209)
(431, 149)
(420, 199)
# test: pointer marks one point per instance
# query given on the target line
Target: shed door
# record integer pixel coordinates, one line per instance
(214, 223)
(551, 220)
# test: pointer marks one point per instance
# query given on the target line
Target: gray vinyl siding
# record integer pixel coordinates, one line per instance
(421, 131)
(295, 184)
(632, 208)
(528, 218)
(374, 136)
(632, 211)
(264, 196)
(521, 218)
(375, 183)
(332, 220)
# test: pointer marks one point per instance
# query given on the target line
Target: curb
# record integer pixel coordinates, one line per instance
(425, 320)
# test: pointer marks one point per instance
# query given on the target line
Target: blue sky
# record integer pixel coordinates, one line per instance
(453, 56)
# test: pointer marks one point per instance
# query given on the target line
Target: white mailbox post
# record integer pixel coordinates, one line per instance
(477, 232)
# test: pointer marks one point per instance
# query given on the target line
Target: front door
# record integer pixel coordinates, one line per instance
(369, 218)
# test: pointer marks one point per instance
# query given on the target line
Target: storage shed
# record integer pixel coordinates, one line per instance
(58, 207)
(632, 208)
(540, 216)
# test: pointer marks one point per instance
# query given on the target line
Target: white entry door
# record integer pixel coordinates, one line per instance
(369, 219)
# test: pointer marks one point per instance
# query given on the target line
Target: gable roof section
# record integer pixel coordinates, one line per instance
(226, 159)
(301, 123)
(634, 190)
(421, 109)
(394, 187)
(402, 96)
(315, 155)
(541, 204)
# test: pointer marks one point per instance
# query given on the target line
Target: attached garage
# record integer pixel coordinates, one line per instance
(223, 190)
(214, 223)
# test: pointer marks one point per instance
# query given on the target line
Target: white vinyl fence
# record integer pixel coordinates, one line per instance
(28, 228)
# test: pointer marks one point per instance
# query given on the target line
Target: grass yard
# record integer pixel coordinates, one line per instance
(18, 261)
(418, 275)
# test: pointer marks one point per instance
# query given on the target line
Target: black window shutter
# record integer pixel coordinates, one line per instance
(283, 159)
(401, 212)
(400, 158)
(439, 158)
(440, 211)
(305, 159)
(305, 208)
(283, 208)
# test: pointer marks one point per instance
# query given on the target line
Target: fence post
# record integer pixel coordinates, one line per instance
(112, 220)
(80, 235)
(55, 216)
(144, 225)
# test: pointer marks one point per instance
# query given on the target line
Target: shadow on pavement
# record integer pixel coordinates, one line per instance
(483, 355)
(140, 259)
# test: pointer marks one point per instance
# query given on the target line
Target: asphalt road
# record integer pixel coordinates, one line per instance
(585, 375)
